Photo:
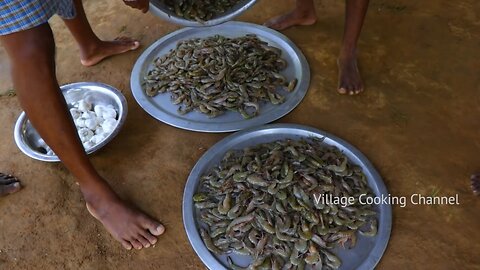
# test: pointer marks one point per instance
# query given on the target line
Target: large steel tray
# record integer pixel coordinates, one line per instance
(368, 250)
(161, 108)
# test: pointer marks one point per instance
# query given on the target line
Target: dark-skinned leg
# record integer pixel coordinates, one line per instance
(350, 81)
(31, 54)
(92, 49)
(303, 14)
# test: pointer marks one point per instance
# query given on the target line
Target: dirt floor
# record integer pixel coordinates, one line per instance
(418, 122)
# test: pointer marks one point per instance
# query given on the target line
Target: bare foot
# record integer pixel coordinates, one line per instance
(349, 79)
(476, 184)
(296, 17)
(132, 228)
(8, 184)
(104, 49)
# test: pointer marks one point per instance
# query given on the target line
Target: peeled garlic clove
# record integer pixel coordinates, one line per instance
(99, 110)
(88, 115)
(109, 125)
(80, 123)
(84, 106)
(85, 115)
(100, 120)
(109, 113)
(88, 144)
(85, 133)
(99, 131)
(91, 123)
(76, 113)
(96, 139)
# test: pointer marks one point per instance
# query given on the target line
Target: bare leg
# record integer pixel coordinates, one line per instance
(33, 71)
(476, 184)
(8, 184)
(350, 81)
(303, 14)
(92, 49)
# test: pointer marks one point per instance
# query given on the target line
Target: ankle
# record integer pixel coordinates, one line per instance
(96, 191)
(90, 48)
(347, 54)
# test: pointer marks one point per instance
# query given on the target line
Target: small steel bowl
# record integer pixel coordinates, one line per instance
(28, 139)
(159, 9)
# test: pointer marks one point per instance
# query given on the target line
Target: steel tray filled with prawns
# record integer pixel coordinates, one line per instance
(220, 79)
(264, 198)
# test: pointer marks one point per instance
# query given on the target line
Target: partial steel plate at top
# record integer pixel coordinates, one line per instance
(368, 250)
(159, 9)
(162, 108)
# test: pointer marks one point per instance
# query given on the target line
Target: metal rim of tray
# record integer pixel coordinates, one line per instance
(157, 9)
(204, 163)
(114, 92)
(299, 68)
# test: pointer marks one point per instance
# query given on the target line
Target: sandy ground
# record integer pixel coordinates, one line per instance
(418, 122)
